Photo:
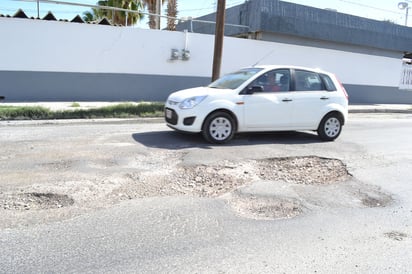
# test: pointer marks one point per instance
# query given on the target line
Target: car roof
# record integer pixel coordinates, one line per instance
(270, 67)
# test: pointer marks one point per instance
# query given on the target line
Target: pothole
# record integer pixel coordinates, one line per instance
(215, 180)
(265, 200)
(34, 201)
(368, 195)
(226, 176)
(211, 181)
(266, 208)
(370, 201)
(308, 170)
(58, 165)
(396, 235)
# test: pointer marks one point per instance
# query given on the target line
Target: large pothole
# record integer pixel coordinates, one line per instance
(215, 180)
(226, 176)
(275, 197)
(308, 170)
(34, 201)
(272, 188)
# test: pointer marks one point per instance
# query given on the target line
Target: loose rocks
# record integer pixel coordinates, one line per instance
(30, 201)
(306, 170)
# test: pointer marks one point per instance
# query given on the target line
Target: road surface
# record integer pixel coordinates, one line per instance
(135, 197)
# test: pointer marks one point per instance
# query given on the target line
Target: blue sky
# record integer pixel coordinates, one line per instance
(378, 10)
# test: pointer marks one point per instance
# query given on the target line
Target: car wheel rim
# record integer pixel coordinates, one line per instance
(220, 128)
(332, 127)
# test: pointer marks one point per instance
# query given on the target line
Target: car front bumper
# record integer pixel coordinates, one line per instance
(183, 120)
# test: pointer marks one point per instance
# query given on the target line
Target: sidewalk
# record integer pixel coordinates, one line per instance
(380, 108)
(373, 108)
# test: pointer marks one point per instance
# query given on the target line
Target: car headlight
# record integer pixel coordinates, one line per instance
(191, 102)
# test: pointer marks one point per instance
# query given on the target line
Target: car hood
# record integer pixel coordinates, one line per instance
(181, 95)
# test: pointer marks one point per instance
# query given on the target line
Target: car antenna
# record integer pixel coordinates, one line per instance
(263, 57)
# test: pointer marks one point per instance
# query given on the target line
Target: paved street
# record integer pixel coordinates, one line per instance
(111, 196)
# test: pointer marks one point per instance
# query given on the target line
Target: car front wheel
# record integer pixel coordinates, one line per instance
(330, 127)
(218, 128)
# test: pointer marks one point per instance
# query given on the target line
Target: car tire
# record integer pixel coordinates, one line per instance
(330, 127)
(218, 128)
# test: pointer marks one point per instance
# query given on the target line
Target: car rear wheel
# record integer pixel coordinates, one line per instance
(330, 127)
(218, 128)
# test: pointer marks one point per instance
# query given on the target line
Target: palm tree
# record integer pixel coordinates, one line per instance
(151, 8)
(171, 12)
(116, 17)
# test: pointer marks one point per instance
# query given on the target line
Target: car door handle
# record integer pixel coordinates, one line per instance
(287, 100)
(324, 98)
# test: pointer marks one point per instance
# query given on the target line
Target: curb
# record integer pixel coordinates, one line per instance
(376, 110)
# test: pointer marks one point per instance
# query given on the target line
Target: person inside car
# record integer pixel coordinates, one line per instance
(271, 84)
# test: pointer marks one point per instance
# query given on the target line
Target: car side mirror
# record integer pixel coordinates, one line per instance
(253, 89)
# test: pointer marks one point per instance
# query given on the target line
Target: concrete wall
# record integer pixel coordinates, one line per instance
(49, 61)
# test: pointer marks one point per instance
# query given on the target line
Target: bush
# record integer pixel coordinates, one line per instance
(124, 110)
(18, 113)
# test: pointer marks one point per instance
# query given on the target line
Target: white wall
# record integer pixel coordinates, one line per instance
(37, 45)
(61, 61)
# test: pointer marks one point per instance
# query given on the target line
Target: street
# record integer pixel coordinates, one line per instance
(127, 196)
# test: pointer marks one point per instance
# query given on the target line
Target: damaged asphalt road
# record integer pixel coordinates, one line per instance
(123, 196)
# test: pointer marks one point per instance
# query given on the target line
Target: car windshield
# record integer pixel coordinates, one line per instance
(235, 79)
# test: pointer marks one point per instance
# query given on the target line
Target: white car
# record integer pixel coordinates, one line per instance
(261, 98)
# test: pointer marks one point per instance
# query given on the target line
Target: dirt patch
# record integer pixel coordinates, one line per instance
(34, 201)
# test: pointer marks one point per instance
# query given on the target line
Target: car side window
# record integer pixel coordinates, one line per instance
(273, 81)
(308, 81)
(330, 86)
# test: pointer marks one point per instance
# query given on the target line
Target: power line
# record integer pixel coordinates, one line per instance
(212, 6)
(370, 7)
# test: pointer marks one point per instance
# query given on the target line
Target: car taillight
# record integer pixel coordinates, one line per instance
(343, 88)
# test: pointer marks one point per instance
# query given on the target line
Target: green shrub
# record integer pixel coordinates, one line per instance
(21, 113)
(75, 105)
(124, 110)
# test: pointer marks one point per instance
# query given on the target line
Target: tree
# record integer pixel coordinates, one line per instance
(171, 12)
(151, 7)
(116, 17)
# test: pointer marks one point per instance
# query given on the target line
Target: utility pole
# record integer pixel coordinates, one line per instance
(38, 9)
(219, 34)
